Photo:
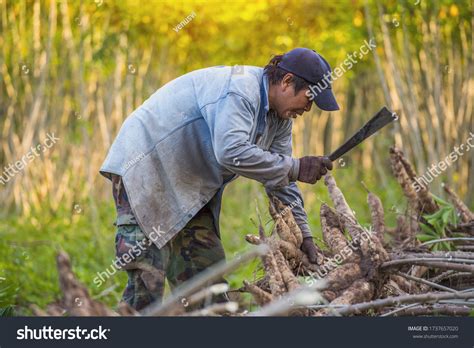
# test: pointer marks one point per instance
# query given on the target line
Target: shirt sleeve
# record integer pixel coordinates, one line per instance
(230, 121)
(290, 195)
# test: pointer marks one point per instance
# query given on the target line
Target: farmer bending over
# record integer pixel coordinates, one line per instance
(174, 155)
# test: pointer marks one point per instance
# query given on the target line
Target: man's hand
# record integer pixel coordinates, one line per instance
(312, 168)
(310, 249)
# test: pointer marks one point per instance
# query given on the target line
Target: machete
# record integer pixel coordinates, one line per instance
(380, 120)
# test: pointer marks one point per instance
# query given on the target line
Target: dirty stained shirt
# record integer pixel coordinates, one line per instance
(194, 135)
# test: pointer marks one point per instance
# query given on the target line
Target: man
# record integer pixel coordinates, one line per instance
(174, 155)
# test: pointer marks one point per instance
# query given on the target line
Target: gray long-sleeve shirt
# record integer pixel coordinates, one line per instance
(178, 150)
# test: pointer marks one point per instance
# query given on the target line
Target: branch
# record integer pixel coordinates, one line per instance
(449, 274)
(448, 255)
(427, 282)
(446, 240)
(390, 301)
(439, 309)
(429, 263)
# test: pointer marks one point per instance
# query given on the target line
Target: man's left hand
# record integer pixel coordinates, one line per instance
(310, 249)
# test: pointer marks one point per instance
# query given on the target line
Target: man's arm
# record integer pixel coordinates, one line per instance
(290, 195)
(230, 121)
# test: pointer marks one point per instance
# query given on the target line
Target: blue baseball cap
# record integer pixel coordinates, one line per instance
(312, 67)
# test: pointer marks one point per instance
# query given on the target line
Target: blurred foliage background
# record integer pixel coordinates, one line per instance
(78, 68)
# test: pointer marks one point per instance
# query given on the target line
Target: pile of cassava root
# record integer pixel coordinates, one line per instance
(372, 271)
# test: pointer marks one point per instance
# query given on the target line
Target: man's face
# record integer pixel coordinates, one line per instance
(286, 103)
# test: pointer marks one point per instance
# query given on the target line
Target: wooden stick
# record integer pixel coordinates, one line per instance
(430, 263)
(447, 255)
(446, 240)
(443, 275)
(427, 282)
(454, 274)
(439, 309)
(421, 260)
(390, 301)
(396, 310)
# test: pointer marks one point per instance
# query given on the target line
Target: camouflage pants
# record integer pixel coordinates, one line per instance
(196, 247)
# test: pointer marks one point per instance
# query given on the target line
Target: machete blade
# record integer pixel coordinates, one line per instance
(380, 120)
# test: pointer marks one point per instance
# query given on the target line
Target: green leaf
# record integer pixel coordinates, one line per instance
(455, 218)
(438, 228)
(445, 216)
(427, 229)
(435, 216)
(439, 200)
(425, 237)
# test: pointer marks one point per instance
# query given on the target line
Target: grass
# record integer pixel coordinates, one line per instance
(28, 246)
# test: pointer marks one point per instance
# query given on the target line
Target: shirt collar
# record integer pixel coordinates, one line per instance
(264, 91)
(265, 100)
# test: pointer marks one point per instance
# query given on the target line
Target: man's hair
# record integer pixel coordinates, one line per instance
(275, 74)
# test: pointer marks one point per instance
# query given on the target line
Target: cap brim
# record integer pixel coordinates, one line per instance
(325, 100)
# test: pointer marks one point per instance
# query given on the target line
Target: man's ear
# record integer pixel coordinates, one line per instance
(286, 82)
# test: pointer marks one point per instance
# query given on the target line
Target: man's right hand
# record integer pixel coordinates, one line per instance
(312, 168)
